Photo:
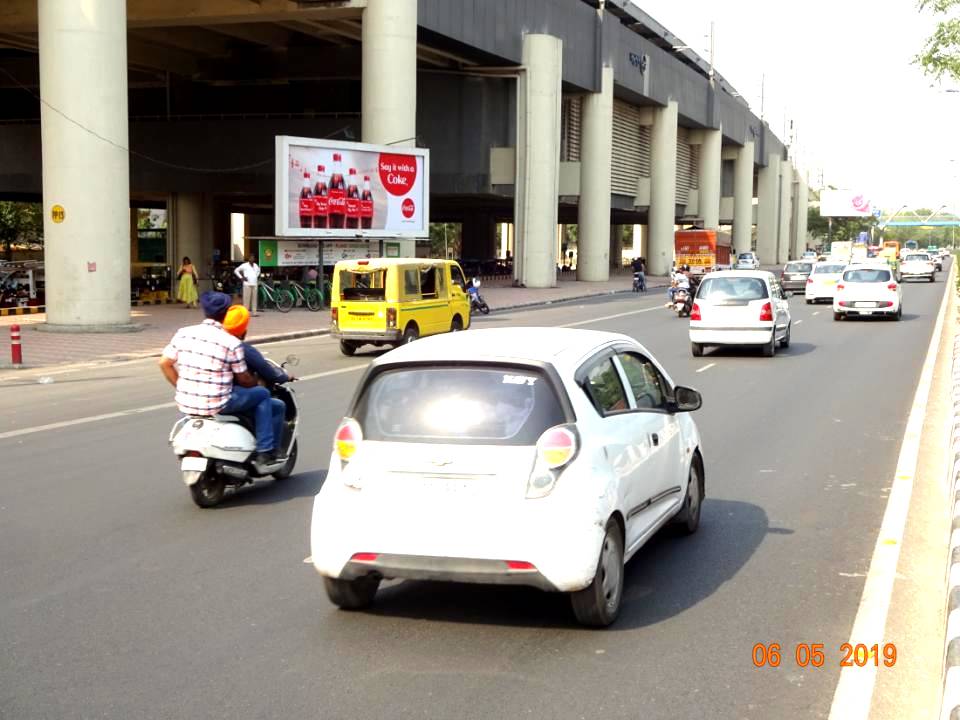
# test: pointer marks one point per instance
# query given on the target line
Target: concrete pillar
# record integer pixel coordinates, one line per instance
(768, 219)
(800, 207)
(538, 161)
(389, 82)
(709, 172)
(786, 212)
(743, 198)
(596, 148)
(83, 74)
(663, 189)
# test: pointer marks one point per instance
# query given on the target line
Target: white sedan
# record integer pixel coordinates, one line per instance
(822, 283)
(544, 457)
(868, 290)
(918, 265)
(747, 261)
(740, 308)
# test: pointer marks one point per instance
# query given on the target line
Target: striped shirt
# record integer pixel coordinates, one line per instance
(207, 357)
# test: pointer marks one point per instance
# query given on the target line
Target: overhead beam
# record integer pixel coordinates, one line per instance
(154, 57)
(296, 63)
(191, 39)
(258, 34)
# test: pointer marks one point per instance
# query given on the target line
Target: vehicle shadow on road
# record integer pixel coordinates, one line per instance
(669, 575)
(270, 492)
(796, 348)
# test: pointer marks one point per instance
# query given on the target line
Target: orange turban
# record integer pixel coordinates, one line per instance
(236, 321)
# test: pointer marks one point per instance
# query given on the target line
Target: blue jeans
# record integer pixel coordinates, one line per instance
(257, 402)
(279, 411)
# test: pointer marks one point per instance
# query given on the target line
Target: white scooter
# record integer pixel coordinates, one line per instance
(216, 452)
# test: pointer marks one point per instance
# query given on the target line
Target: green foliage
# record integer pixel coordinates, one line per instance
(941, 52)
(20, 222)
(843, 228)
(445, 236)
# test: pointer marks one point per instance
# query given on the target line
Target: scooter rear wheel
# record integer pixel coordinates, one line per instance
(287, 469)
(208, 491)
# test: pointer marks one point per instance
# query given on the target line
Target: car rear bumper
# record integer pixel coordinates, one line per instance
(892, 310)
(793, 284)
(906, 275)
(731, 335)
(367, 335)
(446, 569)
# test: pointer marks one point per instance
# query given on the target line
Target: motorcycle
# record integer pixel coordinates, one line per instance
(476, 301)
(682, 302)
(637, 285)
(217, 452)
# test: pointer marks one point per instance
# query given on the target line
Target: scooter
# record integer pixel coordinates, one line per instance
(476, 301)
(637, 286)
(682, 302)
(217, 452)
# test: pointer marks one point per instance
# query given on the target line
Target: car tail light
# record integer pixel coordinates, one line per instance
(809, 281)
(766, 313)
(695, 312)
(334, 315)
(556, 448)
(347, 438)
(886, 303)
(840, 286)
(391, 317)
(364, 557)
(520, 566)
(892, 286)
(363, 262)
(844, 303)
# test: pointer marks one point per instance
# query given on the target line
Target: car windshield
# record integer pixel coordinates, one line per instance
(798, 268)
(918, 258)
(867, 275)
(477, 405)
(746, 256)
(828, 269)
(732, 288)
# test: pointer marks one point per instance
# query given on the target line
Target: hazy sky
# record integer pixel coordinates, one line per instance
(863, 115)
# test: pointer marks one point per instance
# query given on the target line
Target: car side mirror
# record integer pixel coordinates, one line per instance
(788, 294)
(686, 399)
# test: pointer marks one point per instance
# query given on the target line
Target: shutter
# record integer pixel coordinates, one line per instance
(686, 175)
(570, 129)
(646, 135)
(631, 149)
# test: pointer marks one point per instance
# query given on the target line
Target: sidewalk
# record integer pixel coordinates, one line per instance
(41, 349)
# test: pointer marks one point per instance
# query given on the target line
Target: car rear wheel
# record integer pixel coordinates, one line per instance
(770, 349)
(598, 604)
(411, 333)
(689, 516)
(696, 349)
(837, 316)
(457, 324)
(348, 348)
(809, 301)
(353, 594)
(899, 314)
(785, 343)
(933, 278)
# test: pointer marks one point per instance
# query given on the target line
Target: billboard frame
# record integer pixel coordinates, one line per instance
(281, 221)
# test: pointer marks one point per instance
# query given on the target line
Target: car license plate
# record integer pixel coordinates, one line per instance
(865, 304)
(866, 312)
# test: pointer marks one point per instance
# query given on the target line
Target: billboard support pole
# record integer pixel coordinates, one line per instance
(829, 230)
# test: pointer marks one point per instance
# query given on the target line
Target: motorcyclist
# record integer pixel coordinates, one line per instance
(236, 322)
(680, 281)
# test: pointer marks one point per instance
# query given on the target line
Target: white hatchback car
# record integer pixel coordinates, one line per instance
(747, 261)
(918, 265)
(866, 290)
(822, 283)
(740, 308)
(544, 457)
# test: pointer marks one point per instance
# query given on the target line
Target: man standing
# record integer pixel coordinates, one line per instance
(207, 367)
(249, 273)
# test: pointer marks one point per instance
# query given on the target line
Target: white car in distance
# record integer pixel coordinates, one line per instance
(740, 308)
(747, 261)
(822, 283)
(868, 290)
(544, 457)
(918, 265)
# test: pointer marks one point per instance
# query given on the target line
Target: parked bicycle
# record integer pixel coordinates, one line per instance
(310, 296)
(272, 295)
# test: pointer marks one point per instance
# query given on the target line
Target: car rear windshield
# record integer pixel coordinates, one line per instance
(798, 268)
(867, 275)
(475, 405)
(918, 258)
(732, 288)
(828, 269)
(363, 285)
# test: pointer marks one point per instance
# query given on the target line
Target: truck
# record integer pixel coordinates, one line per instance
(841, 250)
(702, 250)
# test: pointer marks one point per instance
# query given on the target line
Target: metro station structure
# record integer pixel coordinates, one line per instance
(536, 112)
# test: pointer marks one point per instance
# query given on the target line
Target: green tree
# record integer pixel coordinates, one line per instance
(19, 222)
(941, 52)
(844, 228)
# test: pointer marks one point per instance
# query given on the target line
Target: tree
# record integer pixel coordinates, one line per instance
(19, 222)
(844, 228)
(941, 52)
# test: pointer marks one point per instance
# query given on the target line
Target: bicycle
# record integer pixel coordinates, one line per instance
(279, 297)
(311, 296)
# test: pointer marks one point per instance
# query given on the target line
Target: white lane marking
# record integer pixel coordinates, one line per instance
(140, 410)
(798, 322)
(854, 693)
(611, 317)
(706, 367)
(817, 312)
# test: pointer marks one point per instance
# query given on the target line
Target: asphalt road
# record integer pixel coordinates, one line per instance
(120, 599)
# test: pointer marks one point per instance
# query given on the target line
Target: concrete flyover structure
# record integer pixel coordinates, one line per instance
(558, 112)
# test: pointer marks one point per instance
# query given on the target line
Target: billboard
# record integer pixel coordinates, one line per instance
(844, 203)
(344, 190)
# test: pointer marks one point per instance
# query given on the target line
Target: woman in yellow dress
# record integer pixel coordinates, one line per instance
(187, 290)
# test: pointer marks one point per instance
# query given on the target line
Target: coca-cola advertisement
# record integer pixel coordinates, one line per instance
(332, 189)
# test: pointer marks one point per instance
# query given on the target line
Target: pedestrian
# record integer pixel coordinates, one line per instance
(187, 287)
(207, 367)
(249, 274)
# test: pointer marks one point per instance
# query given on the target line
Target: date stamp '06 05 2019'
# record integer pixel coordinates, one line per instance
(813, 654)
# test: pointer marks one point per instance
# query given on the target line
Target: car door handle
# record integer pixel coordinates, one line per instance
(655, 439)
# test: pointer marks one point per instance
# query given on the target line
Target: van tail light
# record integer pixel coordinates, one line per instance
(766, 313)
(695, 312)
(556, 448)
(334, 315)
(892, 286)
(840, 286)
(391, 317)
(347, 438)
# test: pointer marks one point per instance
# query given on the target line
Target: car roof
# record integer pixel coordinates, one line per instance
(561, 347)
(761, 274)
(388, 262)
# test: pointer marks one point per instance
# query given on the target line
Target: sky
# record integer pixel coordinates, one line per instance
(864, 117)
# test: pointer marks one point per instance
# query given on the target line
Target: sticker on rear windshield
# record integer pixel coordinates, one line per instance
(518, 380)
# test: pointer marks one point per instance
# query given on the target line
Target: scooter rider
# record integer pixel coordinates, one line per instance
(208, 368)
(680, 282)
(235, 323)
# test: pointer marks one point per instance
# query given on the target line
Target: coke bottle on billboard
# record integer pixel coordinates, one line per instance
(321, 206)
(353, 201)
(337, 198)
(306, 203)
(366, 204)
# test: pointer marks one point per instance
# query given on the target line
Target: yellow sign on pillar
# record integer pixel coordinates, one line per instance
(58, 214)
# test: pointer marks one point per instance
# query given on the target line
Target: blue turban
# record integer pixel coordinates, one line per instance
(214, 303)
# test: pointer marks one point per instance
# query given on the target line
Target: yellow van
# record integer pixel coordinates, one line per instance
(389, 301)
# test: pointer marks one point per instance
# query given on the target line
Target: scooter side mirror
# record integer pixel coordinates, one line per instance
(292, 360)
